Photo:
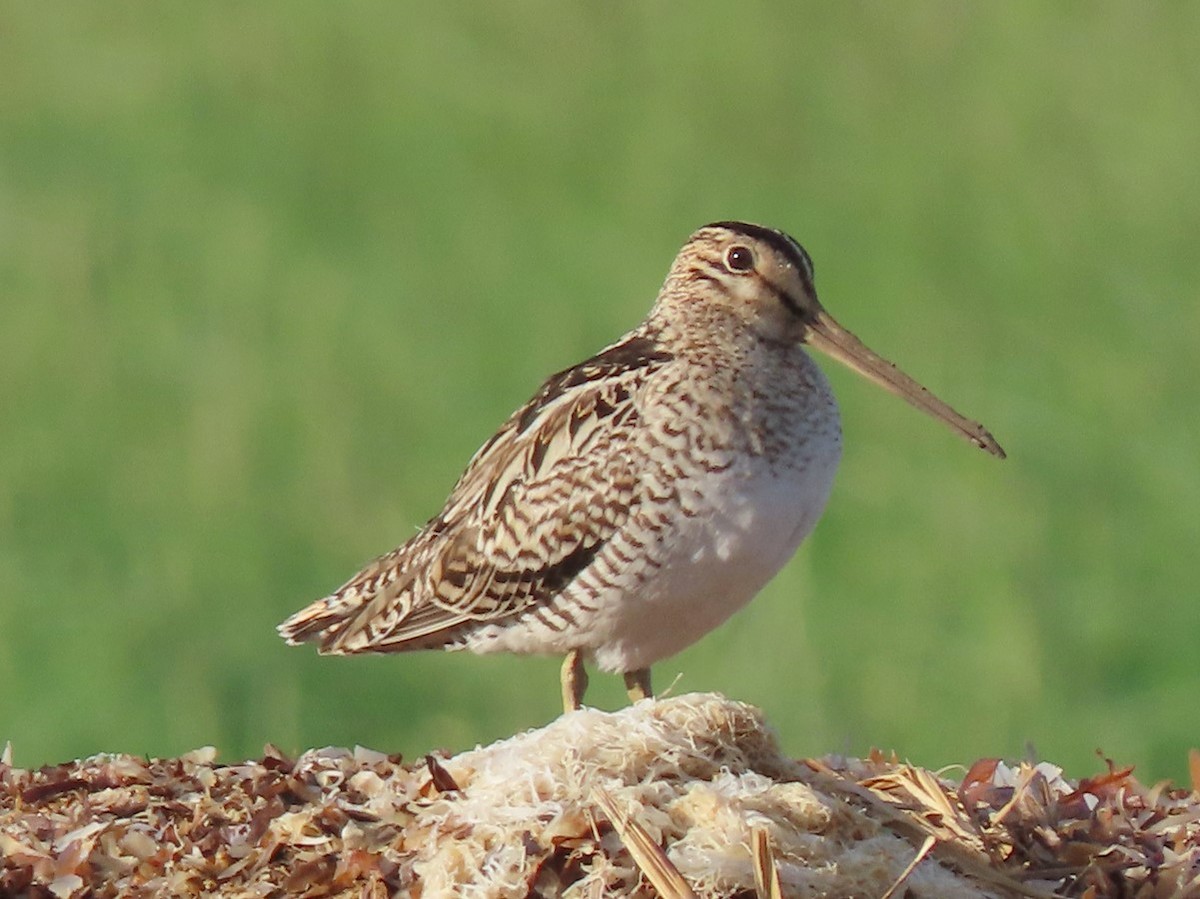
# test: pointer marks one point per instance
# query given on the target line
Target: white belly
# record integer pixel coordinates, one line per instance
(712, 565)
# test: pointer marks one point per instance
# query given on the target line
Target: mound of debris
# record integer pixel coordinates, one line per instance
(678, 797)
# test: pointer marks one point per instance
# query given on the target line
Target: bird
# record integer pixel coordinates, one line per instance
(642, 496)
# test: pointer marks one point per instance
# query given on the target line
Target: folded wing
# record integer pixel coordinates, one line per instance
(535, 506)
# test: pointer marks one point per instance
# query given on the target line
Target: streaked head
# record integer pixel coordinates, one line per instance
(764, 278)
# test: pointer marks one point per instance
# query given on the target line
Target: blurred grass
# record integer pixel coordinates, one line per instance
(271, 273)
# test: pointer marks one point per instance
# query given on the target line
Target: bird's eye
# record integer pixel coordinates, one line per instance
(739, 258)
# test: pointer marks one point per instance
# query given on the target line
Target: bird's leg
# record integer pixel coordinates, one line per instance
(574, 681)
(637, 684)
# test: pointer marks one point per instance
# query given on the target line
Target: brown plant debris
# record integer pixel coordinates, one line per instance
(684, 796)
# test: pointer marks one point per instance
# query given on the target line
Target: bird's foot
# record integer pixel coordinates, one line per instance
(637, 684)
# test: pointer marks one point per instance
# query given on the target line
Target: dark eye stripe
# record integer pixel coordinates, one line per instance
(782, 243)
(791, 305)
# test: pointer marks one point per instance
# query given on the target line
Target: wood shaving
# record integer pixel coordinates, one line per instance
(704, 795)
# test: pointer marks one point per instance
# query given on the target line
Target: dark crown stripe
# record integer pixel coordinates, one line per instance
(784, 244)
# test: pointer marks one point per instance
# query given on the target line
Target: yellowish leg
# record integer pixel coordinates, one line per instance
(637, 684)
(574, 681)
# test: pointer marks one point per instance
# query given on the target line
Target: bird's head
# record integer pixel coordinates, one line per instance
(755, 278)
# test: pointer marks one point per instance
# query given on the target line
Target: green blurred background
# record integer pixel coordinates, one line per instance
(271, 272)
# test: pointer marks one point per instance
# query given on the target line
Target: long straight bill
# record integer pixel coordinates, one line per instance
(830, 338)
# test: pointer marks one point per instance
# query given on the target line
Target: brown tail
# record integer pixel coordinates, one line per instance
(319, 621)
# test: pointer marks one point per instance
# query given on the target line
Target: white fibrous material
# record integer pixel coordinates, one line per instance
(678, 798)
